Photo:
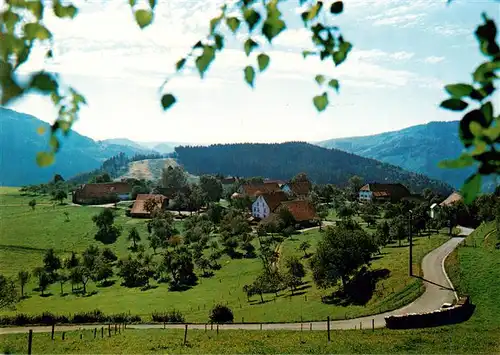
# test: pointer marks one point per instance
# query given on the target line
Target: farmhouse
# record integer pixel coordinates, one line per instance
(252, 190)
(383, 192)
(266, 203)
(301, 210)
(297, 188)
(102, 193)
(450, 200)
(139, 208)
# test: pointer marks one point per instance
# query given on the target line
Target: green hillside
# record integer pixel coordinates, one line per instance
(418, 149)
(20, 141)
(151, 169)
(283, 161)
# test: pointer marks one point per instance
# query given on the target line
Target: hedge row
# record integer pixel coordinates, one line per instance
(48, 318)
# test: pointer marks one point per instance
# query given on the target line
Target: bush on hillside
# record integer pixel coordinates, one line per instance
(221, 314)
(173, 316)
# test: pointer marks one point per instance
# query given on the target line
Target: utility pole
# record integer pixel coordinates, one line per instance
(410, 261)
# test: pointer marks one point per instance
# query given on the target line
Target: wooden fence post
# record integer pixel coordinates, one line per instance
(164, 325)
(185, 333)
(310, 326)
(217, 328)
(116, 329)
(109, 330)
(53, 326)
(373, 324)
(102, 332)
(360, 326)
(30, 340)
(63, 334)
(95, 332)
(328, 327)
(81, 336)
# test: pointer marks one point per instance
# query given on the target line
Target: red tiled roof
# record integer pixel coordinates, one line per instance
(103, 189)
(301, 210)
(273, 199)
(300, 187)
(138, 207)
(450, 200)
(273, 181)
(384, 190)
(252, 189)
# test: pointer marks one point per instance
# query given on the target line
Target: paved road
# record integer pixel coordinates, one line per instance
(438, 291)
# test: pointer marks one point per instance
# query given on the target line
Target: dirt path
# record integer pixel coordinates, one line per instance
(438, 290)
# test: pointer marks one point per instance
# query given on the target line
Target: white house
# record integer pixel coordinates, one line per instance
(433, 212)
(266, 203)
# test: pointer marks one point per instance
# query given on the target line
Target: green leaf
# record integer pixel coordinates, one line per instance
(306, 54)
(476, 129)
(320, 79)
(471, 188)
(479, 147)
(454, 105)
(486, 32)
(143, 18)
(36, 8)
(152, 4)
(214, 23)
(44, 158)
(64, 11)
(219, 41)
(252, 18)
(272, 27)
(340, 56)
(263, 61)
(132, 3)
(54, 143)
(465, 160)
(43, 82)
(321, 101)
(485, 73)
(249, 45)
(167, 101)
(487, 111)
(180, 64)
(36, 31)
(233, 23)
(249, 75)
(459, 90)
(334, 84)
(313, 11)
(337, 7)
(204, 60)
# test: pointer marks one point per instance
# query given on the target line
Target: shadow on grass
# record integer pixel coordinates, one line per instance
(46, 295)
(107, 283)
(359, 290)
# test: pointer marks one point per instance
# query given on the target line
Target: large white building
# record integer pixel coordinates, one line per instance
(266, 203)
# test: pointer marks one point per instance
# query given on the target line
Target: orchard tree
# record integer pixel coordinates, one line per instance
(32, 204)
(107, 232)
(294, 273)
(304, 246)
(8, 294)
(44, 279)
(340, 253)
(211, 187)
(134, 237)
(174, 178)
(23, 277)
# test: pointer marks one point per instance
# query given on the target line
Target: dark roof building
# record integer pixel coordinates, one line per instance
(138, 209)
(102, 192)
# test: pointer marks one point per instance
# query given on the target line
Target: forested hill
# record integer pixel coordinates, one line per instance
(283, 161)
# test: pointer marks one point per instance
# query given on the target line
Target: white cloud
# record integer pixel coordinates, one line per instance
(433, 59)
(406, 20)
(449, 30)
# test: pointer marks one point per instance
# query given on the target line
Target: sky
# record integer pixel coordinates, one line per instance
(404, 52)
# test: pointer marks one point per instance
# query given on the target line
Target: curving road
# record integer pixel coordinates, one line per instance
(438, 290)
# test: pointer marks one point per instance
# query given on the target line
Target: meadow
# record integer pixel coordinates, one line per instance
(26, 234)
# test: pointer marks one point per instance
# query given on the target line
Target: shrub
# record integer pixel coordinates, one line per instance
(168, 317)
(221, 314)
(95, 316)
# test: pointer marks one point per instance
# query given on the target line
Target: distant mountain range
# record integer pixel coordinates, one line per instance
(417, 148)
(19, 143)
(160, 147)
(285, 160)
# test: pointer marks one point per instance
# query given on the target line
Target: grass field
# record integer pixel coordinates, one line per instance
(445, 340)
(26, 234)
